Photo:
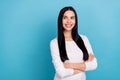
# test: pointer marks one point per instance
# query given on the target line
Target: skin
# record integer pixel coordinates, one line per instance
(68, 24)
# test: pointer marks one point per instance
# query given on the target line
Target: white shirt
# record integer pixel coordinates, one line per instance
(75, 55)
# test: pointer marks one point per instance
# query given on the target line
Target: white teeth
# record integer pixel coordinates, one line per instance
(68, 25)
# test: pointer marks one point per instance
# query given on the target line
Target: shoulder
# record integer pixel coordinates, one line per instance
(53, 41)
(84, 37)
(54, 44)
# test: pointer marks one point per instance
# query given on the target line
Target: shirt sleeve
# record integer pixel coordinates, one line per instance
(92, 65)
(58, 64)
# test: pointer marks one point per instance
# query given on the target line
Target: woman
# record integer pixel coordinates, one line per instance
(72, 54)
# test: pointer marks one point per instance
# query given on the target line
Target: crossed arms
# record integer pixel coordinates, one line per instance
(78, 67)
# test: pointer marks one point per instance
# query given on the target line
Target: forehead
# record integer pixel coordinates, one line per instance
(69, 13)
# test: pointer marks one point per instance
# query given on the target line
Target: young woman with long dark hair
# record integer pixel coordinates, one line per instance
(72, 54)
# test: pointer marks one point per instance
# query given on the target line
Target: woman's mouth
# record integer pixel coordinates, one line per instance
(68, 25)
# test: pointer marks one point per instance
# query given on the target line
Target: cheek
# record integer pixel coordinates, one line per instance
(73, 22)
(63, 21)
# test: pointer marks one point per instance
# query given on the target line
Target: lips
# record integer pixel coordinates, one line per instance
(68, 25)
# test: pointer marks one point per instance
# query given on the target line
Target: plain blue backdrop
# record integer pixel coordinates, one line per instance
(27, 26)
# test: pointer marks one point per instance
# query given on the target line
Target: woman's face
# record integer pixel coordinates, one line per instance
(68, 20)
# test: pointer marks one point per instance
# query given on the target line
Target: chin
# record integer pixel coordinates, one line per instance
(68, 29)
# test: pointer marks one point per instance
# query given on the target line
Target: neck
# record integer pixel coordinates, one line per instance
(68, 35)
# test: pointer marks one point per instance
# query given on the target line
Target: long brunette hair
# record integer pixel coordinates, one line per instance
(75, 36)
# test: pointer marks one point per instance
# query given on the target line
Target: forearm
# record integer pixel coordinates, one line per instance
(85, 66)
(78, 66)
(76, 71)
(82, 66)
(90, 64)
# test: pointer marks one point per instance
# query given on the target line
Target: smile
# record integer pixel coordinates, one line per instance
(68, 25)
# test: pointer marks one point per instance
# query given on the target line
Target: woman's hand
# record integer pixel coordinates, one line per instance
(68, 65)
(91, 57)
(76, 71)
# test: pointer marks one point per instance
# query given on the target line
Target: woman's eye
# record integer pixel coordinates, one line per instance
(64, 17)
(73, 17)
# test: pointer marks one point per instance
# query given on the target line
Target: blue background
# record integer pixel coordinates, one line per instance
(27, 26)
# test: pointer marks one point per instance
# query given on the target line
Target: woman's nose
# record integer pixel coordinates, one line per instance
(68, 20)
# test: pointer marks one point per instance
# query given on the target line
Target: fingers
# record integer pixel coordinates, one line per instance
(76, 71)
(91, 57)
(67, 65)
